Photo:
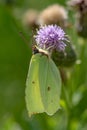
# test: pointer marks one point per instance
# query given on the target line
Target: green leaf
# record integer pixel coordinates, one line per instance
(14, 59)
(43, 86)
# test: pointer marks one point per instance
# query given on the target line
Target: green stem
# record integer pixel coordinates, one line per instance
(68, 122)
(68, 101)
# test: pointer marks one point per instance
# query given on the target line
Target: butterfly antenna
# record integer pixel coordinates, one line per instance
(24, 39)
(33, 39)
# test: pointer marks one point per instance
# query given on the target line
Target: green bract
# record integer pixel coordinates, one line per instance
(65, 59)
(43, 86)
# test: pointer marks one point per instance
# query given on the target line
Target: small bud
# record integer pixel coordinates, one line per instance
(66, 58)
(54, 14)
(81, 16)
(30, 18)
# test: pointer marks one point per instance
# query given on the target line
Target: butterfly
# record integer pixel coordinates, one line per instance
(43, 84)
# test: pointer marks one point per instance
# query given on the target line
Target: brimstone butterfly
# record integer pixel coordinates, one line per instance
(43, 85)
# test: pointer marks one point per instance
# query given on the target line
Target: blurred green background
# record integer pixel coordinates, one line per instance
(14, 62)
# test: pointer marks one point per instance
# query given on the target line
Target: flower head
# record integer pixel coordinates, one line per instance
(81, 16)
(30, 18)
(51, 37)
(53, 14)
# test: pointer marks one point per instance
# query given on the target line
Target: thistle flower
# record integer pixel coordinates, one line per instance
(80, 4)
(30, 18)
(53, 14)
(51, 37)
(81, 16)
